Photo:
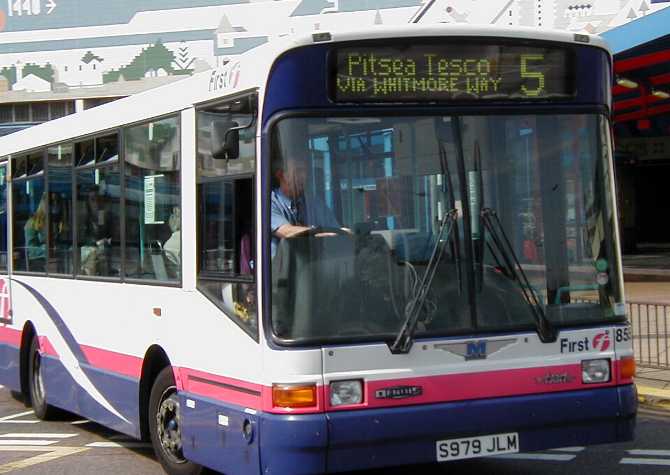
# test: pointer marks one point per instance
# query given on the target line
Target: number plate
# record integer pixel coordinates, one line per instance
(482, 446)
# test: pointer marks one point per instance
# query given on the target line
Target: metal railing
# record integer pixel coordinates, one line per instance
(649, 325)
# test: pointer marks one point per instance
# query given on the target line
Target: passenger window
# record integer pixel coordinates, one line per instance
(84, 152)
(98, 221)
(226, 211)
(59, 173)
(19, 167)
(107, 148)
(153, 201)
(3, 219)
(30, 215)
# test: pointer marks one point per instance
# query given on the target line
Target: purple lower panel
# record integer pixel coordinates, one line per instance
(294, 444)
(213, 435)
(120, 392)
(399, 436)
(9, 367)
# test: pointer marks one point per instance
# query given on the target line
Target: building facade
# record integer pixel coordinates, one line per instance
(59, 56)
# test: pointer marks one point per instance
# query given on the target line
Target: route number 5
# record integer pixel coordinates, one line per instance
(536, 75)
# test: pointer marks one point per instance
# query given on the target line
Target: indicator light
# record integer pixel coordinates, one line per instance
(294, 395)
(627, 367)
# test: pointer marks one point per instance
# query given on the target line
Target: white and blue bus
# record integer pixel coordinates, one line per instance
(344, 251)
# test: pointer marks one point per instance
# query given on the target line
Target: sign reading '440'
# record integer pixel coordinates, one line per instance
(30, 7)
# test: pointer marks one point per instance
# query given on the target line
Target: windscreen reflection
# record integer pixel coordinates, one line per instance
(457, 224)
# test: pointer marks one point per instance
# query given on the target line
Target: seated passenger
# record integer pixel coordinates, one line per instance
(172, 246)
(35, 238)
(60, 238)
(95, 234)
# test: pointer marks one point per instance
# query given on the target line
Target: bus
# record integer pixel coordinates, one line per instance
(337, 252)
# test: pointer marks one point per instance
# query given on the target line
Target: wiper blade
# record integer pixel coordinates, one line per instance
(493, 225)
(448, 187)
(405, 338)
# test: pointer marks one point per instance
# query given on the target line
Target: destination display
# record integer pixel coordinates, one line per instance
(451, 71)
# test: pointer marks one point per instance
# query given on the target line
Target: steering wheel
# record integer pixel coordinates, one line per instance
(361, 329)
(315, 231)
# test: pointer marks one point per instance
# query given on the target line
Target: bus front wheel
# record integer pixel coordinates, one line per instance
(165, 426)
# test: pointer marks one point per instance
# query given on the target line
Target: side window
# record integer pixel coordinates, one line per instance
(3, 219)
(226, 210)
(84, 153)
(98, 207)
(59, 174)
(30, 214)
(153, 201)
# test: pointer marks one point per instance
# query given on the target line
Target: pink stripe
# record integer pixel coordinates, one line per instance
(10, 336)
(435, 389)
(101, 359)
(234, 391)
(238, 392)
(46, 347)
(111, 361)
(114, 362)
(462, 387)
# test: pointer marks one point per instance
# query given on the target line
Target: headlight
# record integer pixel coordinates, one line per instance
(344, 393)
(595, 371)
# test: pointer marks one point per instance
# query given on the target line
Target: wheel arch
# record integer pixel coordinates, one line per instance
(155, 359)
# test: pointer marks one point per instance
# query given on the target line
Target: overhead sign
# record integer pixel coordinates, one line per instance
(451, 71)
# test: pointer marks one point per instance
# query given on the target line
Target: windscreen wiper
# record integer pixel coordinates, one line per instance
(405, 338)
(448, 188)
(476, 188)
(493, 225)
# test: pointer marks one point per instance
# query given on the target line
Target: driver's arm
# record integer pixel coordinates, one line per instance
(289, 230)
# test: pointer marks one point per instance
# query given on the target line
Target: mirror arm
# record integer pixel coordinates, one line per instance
(239, 127)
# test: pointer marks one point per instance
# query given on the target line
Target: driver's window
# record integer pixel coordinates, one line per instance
(226, 209)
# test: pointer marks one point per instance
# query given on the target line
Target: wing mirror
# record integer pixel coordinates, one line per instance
(228, 136)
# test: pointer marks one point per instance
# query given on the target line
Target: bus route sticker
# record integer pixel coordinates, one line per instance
(5, 302)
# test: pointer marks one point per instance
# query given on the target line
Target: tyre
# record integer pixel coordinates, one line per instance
(36, 388)
(165, 428)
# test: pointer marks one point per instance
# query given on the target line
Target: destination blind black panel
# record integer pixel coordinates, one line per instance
(452, 71)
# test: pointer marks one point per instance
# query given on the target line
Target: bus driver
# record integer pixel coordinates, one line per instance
(293, 211)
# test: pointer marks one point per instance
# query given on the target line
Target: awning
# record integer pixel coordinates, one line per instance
(642, 71)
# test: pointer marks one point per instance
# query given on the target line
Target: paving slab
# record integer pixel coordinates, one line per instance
(653, 387)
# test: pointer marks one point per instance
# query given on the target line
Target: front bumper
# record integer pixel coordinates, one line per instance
(361, 439)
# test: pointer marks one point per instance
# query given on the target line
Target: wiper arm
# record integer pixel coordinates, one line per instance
(448, 184)
(493, 225)
(405, 338)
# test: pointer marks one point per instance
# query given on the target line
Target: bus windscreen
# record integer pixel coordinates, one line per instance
(451, 71)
